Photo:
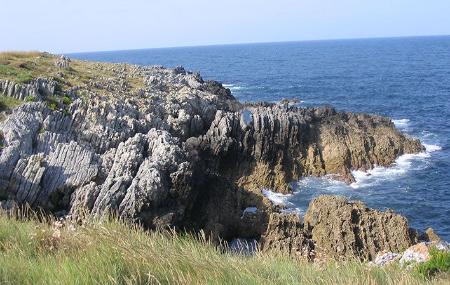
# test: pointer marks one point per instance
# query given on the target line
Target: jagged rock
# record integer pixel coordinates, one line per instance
(343, 229)
(163, 147)
(285, 234)
(148, 182)
(19, 131)
(35, 89)
(37, 179)
(275, 145)
(63, 62)
(431, 236)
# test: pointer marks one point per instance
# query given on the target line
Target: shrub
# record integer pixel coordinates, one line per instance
(53, 106)
(30, 99)
(438, 263)
(67, 100)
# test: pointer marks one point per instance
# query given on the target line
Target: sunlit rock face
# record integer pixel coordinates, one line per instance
(163, 147)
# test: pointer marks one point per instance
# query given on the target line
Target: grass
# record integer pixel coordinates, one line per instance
(8, 103)
(22, 67)
(34, 252)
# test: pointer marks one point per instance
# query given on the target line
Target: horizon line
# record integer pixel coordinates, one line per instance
(256, 43)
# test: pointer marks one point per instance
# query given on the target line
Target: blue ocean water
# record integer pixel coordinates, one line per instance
(407, 79)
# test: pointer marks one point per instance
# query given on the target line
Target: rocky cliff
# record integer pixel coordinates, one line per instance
(163, 147)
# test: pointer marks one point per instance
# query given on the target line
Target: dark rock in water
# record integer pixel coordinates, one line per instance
(431, 236)
(162, 147)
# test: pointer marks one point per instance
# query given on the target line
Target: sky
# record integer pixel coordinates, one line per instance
(63, 26)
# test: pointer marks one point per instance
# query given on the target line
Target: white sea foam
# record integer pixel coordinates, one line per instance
(233, 87)
(277, 198)
(432, 147)
(401, 123)
(401, 166)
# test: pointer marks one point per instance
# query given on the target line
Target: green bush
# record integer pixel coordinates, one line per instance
(30, 99)
(53, 106)
(67, 100)
(438, 263)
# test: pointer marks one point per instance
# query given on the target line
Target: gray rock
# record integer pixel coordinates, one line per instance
(175, 150)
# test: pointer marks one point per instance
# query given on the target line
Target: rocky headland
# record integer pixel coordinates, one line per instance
(165, 148)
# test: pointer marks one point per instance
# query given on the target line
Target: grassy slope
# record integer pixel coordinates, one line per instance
(32, 252)
(22, 67)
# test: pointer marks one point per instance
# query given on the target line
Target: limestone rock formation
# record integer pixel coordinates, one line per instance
(163, 147)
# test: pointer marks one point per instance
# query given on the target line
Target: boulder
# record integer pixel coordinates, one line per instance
(343, 229)
(420, 252)
(384, 258)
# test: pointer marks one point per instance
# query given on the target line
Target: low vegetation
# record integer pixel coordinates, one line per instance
(22, 67)
(439, 263)
(41, 251)
(8, 103)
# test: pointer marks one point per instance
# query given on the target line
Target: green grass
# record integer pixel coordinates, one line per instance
(33, 252)
(22, 67)
(8, 103)
(20, 75)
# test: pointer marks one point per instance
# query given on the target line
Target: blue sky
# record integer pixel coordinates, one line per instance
(92, 25)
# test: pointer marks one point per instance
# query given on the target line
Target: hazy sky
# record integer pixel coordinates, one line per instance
(91, 25)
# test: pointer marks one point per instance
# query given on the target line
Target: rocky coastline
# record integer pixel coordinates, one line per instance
(165, 148)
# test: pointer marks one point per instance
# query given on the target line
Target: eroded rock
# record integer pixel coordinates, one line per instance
(285, 234)
(343, 229)
(163, 147)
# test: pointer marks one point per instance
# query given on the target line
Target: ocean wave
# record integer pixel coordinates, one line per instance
(401, 123)
(401, 166)
(277, 198)
(431, 147)
(233, 87)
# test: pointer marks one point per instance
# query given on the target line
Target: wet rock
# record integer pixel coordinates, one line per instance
(268, 147)
(242, 246)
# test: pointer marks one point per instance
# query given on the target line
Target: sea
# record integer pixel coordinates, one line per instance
(406, 79)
